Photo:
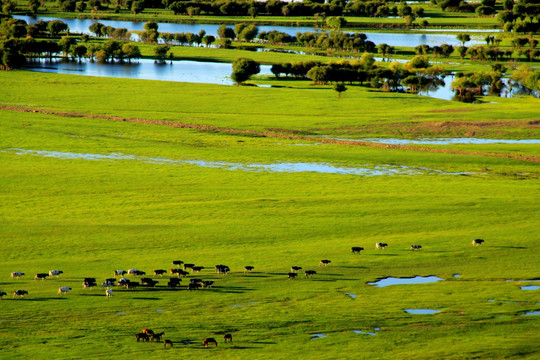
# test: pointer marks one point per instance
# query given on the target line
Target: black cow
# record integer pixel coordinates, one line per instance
(477, 242)
(222, 269)
(416, 247)
(2, 293)
(295, 268)
(324, 262)
(227, 338)
(310, 273)
(40, 276)
(197, 268)
(148, 282)
(381, 245)
(207, 284)
(195, 281)
(356, 249)
(193, 286)
(174, 282)
(248, 268)
(188, 266)
(160, 272)
(177, 262)
(156, 337)
(292, 275)
(89, 283)
(120, 273)
(20, 293)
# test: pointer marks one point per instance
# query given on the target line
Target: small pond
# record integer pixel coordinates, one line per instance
(317, 336)
(421, 311)
(405, 281)
(394, 39)
(530, 287)
(364, 332)
(531, 313)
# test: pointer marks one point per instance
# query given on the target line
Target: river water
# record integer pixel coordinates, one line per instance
(394, 39)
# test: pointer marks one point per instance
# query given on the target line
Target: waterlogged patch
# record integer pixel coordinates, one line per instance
(531, 313)
(530, 287)
(121, 313)
(445, 141)
(160, 311)
(317, 336)
(421, 311)
(456, 275)
(285, 167)
(353, 296)
(364, 332)
(405, 281)
(243, 305)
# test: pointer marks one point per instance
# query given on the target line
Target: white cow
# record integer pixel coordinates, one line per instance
(16, 274)
(63, 290)
(55, 272)
(108, 292)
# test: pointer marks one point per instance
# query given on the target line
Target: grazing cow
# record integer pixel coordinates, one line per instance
(380, 245)
(160, 272)
(310, 273)
(416, 247)
(179, 272)
(148, 282)
(295, 268)
(188, 266)
(194, 286)
(63, 290)
(148, 331)
(227, 338)
(324, 262)
(20, 293)
(120, 273)
(356, 249)
(167, 342)
(222, 269)
(89, 283)
(209, 341)
(142, 336)
(197, 268)
(40, 276)
(136, 272)
(55, 272)
(477, 242)
(2, 293)
(157, 336)
(173, 282)
(248, 268)
(108, 293)
(132, 284)
(122, 282)
(195, 281)
(177, 262)
(292, 275)
(108, 283)
(207, 284)
(16, 274)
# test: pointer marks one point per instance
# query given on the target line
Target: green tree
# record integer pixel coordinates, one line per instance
(208, 40)
(150, 25)
(56, 26)
(336, 23)
(243, 69)
(464, 38)
(160, 52)
(33, 6)
(225, 32)
(340, 87)
(131, 51)
(137, 7)
(97, 28)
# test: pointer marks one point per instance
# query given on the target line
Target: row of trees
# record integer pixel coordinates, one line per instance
(17, 28)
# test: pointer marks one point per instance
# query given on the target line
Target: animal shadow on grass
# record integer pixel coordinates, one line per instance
(45, 298)
(230, 289)
(509, 247)
(265, 342)
(146, 298)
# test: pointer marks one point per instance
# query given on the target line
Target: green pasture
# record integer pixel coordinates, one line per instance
(146, 207)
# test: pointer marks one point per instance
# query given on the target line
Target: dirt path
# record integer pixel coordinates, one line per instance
(271, 134)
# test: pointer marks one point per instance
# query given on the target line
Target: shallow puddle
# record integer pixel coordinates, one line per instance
(364, 332)
(121, 313)
(353, 296)
(405, 281)
(531, 313)
(530, 287)
(421, 311)
(456, 275)
(285, 167)
(317, 336)
(446, 141)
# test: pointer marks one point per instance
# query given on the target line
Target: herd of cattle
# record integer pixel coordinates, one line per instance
(174, 282)
(149, 335)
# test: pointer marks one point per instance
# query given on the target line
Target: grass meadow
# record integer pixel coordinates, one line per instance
(151, 202)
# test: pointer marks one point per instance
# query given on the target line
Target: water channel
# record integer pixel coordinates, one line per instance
(394, 39)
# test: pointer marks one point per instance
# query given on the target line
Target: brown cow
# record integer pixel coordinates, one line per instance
(142, 336)
(227, 338)
(148, 331)
(209, 341)
(167, 342)
(324, 262)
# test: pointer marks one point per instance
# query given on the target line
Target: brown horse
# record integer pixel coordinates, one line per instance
(167, 342)
(228, 338)
(209, 341)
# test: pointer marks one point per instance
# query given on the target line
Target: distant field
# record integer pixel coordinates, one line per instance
(201, 194)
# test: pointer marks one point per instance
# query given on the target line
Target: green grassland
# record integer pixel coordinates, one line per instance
(90, 217)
